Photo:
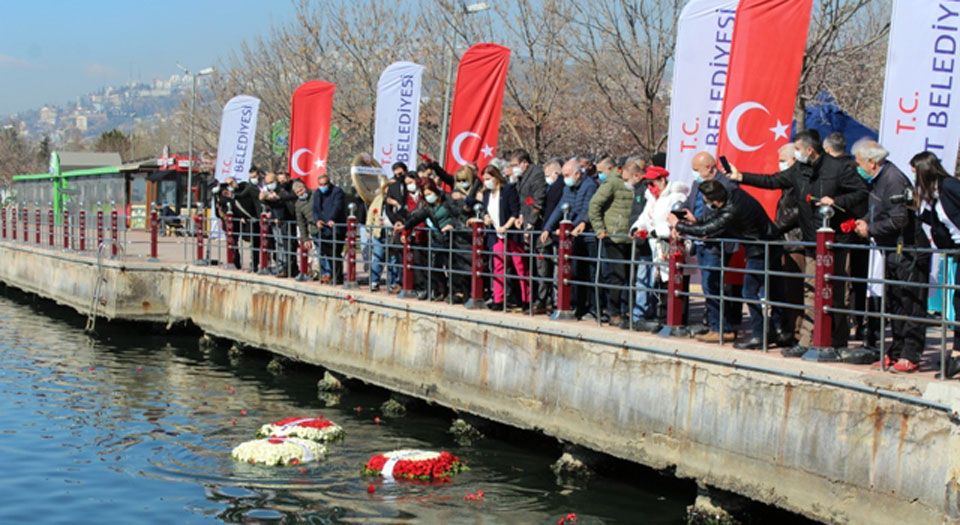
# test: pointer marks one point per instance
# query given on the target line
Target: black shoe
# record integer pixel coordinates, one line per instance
(699, 330)
(794, 351)
(785, 341)
(858, 356)
(422, 295)
(754, 343)
(953, 368)
(495, 306)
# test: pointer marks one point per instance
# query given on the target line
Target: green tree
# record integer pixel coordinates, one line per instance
(114, 141)
(43, 151)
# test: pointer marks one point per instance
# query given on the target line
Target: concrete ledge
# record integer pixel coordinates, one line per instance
(831, 447)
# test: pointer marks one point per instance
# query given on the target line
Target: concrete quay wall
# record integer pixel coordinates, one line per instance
(828, 448)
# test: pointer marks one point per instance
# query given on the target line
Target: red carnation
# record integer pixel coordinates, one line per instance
(848, 225)
(809, 198)
(642, 235)
(529, 200)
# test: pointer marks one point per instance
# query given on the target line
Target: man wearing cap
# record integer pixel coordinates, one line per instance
(661, 196)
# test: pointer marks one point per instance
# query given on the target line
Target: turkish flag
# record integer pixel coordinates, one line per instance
(310, 130)
(477, 101)
(769, 39)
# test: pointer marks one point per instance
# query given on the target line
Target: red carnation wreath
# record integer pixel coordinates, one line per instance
(414, 464)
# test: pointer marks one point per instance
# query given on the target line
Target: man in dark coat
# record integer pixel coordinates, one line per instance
(546, 250)
(819, 180)
(737, 215)
(247, 214)
(279, 198)
(329, 213)
(893, 226)
(529, 181)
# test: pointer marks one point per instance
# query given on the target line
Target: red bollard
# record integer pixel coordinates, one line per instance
(37, 224)
(407, 268)
(198, 227)
(66, 229)
(351, 256)
(476, 267)
(822, 319)
(228, 231)
(13, 223)
(4, 223)
(50, 232)
(564, 309)
(99, 226)
(303, 270)
(82, 233)
(154, 232)
(114, 231)
(264, 256)
(26, 224)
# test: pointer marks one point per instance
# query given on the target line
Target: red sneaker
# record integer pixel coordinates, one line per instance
(887, 363)
(905, 367)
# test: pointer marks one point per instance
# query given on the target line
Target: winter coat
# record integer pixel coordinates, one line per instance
(609, 210)
(303, 211)
(532, 188)
(653, 220)
(888, 222)
(578, 197)
(741, 217)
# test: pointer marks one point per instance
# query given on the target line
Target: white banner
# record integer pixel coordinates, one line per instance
(921, 94)
(701, 58)
(398, 115)
(238, 131)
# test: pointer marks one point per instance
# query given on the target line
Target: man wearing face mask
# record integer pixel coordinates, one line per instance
(303, 211)
(226, 203)
(892, 225)
(786, 221)
(709, 256)
(247, 213)
(545, 265)
(819, 180)
(329, 214)
(609, 212)
(279, 198)
(579, 189)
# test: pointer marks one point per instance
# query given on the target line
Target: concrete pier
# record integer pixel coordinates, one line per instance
(836, 443)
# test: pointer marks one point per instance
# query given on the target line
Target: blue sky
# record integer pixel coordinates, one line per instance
(54, 50)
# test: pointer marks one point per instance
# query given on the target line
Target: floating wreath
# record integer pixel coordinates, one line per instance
(279, 451)
(318, 429)
(414, 464)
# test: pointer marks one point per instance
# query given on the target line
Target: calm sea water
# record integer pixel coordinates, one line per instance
(128, 427)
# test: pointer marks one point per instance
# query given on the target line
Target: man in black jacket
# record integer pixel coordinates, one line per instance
(818, 180)
(530, 183)
(737, 215)
(329, 213)
(247, 214)
(553, 182)
(279, 198)
(893, 226)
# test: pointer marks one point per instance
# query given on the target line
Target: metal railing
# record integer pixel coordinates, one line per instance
(565, 277)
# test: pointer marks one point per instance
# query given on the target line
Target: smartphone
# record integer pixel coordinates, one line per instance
(681, 214)
(725, 163)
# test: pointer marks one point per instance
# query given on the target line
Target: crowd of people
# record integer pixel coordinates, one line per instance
(627, 216)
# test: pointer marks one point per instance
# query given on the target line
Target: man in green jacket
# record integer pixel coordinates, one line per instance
(609, 213)
(303, 209)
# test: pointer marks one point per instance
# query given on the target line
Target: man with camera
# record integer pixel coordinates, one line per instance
(893, 226)
(734, 214)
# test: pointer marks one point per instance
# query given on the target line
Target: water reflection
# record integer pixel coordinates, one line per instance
(132, 426)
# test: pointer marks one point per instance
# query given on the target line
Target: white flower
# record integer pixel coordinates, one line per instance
(279, 451)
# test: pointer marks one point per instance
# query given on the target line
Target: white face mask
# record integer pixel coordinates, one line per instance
(254, 181)
(784, 165)
(517, 171)
(696, 177)
(272, 186)
(550, 180)
(463, 185)
(412, 188)
(628, 184)
(514, 179)
(801, 158)
(488, 184)
(431, 198)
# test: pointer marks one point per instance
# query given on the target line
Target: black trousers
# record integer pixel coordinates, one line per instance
(584, 271)
(909, 337)
(614, 273)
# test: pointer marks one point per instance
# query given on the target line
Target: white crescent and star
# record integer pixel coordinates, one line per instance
(458, 142)
(733, 126)
(295, 162)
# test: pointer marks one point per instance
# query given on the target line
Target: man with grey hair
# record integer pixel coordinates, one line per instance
(893, 226)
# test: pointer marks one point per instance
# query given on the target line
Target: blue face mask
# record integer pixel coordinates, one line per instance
(324, 189)
(569, 181)
(602, 176)
(863, 174)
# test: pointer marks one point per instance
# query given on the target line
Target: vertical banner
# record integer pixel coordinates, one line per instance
(765, 62)
(310, 130)
(700, 60)
(398, 115)
(238, 131)
(477, 102)
(920, 92)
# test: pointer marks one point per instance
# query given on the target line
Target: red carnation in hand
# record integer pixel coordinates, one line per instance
(529, 200)
(642, 235)
(848, 225)
(809, 198)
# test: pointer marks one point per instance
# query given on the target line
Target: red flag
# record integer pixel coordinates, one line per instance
(766, 56)
(477, 101)
(310, 130)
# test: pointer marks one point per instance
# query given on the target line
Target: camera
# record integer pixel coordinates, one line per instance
(905, 197)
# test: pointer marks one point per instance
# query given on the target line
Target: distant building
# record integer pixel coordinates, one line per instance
(81, 122)
(48, 116)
